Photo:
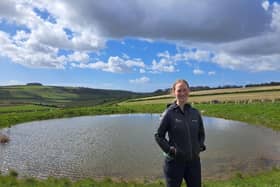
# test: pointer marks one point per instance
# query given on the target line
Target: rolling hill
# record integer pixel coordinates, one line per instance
(63, 96)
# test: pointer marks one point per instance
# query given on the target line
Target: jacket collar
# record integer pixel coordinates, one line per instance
(174, 106)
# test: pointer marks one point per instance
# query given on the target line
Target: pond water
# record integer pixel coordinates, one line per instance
(123, 146)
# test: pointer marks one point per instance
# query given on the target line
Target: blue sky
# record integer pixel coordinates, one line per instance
(139, 45)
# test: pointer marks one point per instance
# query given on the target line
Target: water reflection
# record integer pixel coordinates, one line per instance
(123, 146)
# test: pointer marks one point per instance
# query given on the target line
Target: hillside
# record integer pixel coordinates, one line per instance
(62, 96)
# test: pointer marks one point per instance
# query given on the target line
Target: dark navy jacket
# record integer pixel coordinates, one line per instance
(185, 132)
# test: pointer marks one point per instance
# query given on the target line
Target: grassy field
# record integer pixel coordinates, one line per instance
(267, 179)
(236, 95)
(18, 114)
(259, 111)
(256, 112)
(265, 114)
(23, 108)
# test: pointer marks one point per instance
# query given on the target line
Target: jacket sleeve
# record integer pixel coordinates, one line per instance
(161, 132)
(201, 134)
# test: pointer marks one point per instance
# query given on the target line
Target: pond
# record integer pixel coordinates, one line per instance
(123, 146)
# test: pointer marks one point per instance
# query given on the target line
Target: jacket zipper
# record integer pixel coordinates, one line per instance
(189, 136)
(186, 124)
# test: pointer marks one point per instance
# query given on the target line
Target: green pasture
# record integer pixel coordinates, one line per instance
(255, 113)
(264, 114)
(265, 179)
(23, 108)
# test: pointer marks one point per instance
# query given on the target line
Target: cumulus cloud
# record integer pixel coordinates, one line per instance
(211, 73)
(265, 5)
(142, 70)
(30, 54)
(168, 62)
(236, 33)
(82, 57)
(263, 63)
(193, 54)
(115, 64)
(164, 65)
(198, 72)
(140, 80)
(38, 43)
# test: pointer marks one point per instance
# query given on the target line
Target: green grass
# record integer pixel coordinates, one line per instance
(63, 96)
(264, 179)
(265, 114)
(23, 108)
(14, 115)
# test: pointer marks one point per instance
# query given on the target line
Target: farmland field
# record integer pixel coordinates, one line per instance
(252, 94)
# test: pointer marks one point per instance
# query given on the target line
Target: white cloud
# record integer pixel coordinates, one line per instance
(142, 70)
(275, 23)
(211, 73)
(168, 62)
(251, 63)
(79, 57)
(197, 55)
(125, 56)
(164, 54)
(243, 40)
(30, 54)
(164, 65)
(141, 80)
(198, 72)
(38, 45)
(265, 5)
(115, 65)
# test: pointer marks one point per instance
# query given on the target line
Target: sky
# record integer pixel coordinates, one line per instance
(139, 45)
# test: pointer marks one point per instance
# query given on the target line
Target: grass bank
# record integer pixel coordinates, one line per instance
(19, 114)
(265, 114)
(267, 179)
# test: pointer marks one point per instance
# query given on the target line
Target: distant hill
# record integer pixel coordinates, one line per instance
(63, 96)
(59, 96)
(34, 84)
